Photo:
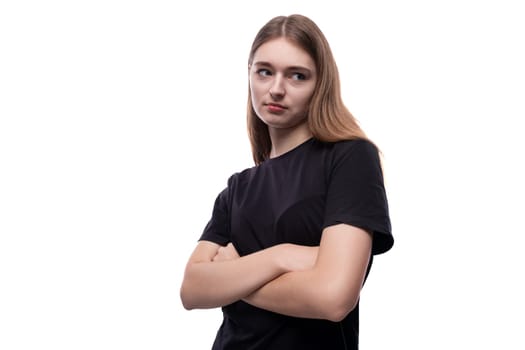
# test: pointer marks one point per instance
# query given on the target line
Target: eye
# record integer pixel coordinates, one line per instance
(298, 76)
(264, 72)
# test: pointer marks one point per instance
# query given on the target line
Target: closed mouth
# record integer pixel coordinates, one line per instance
(276, 105)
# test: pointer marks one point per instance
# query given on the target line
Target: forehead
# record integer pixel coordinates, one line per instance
(283, 53)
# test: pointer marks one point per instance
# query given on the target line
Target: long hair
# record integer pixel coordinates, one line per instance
(328, 118)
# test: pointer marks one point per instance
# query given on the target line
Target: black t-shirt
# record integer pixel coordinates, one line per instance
(291, 199)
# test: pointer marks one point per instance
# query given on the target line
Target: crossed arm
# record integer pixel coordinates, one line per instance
(313, 282)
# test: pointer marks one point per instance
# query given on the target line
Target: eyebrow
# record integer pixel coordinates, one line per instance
(264, 63)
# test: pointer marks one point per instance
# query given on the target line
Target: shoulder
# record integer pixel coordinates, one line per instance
(344, 146)
(241, 176)
(355, 146)
(357, 150)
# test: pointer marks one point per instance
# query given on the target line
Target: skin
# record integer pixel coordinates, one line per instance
(282, 75)
(313, 282)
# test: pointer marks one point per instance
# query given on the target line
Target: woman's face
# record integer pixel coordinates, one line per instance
(282, 81)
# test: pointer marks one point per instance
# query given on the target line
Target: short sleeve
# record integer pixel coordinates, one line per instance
(217, 229)
(356, 194)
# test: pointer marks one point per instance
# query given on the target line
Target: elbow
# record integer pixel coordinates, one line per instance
(186, 298)
(188, 306)
(338, 305)
(189, 291)
(186, 302)
(338, 314)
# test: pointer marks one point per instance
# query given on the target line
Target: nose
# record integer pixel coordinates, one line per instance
(277, 90)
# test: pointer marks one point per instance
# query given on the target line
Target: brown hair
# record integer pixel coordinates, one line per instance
(328, 118)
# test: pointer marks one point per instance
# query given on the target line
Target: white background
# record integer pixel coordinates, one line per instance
(120, 122)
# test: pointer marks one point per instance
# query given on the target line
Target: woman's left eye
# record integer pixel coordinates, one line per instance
(298, 76)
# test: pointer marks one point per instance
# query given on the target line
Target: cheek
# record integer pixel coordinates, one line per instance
(253, 96)
(256, 93)
(304, 100)
(255, 100)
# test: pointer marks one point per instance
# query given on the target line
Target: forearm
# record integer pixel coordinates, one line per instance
(330, 289)
(209, 284)
(298, 294)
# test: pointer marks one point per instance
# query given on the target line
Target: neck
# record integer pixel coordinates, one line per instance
(284, 140)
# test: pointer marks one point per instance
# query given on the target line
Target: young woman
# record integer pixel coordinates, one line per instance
(291, 240)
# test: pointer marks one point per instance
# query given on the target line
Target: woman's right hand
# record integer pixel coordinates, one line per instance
(297, 257)
(225, 253)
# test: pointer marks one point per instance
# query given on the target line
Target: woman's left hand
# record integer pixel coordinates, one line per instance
(226, 253)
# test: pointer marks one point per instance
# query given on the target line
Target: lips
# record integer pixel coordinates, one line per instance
(275, 107)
